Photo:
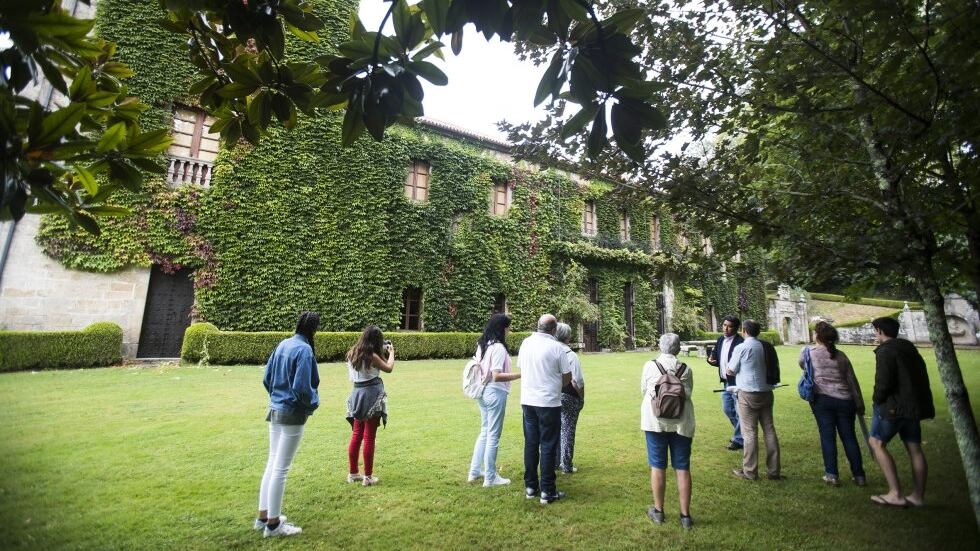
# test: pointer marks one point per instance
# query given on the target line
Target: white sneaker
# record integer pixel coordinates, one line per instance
(496, 481)
(370, 480)
(354, 478)
(259, 525)
(474, 477)
(284, 529)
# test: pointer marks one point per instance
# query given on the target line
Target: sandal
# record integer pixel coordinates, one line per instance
(883, 501)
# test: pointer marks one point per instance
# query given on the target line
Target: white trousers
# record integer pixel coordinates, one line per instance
(283, 442)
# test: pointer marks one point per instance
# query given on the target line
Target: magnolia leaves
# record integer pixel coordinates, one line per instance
(68, 159)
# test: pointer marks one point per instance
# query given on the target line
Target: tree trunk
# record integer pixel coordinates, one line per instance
(960, 412)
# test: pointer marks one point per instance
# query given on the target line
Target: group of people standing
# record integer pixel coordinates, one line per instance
(553, 394)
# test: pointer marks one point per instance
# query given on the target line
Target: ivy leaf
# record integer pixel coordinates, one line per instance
(109, 211)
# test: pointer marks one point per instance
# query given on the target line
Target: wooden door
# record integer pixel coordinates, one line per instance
(167, 314)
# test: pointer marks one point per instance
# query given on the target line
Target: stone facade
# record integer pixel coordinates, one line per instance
(38, 293)
(789, 317)
(961, 318)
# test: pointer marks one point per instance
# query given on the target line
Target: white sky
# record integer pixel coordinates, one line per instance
(487, 82)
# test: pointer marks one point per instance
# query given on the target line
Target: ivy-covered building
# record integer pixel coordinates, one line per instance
(431, 230)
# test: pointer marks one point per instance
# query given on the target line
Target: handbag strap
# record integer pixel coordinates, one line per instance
(808, 362)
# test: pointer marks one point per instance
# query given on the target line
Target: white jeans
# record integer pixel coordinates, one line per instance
(283, 442)
(493, 404)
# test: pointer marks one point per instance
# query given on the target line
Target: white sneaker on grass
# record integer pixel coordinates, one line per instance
(259, 525)
(473, 477)
(354, 477)
(284, 529)
(370, 480)
(496, 481)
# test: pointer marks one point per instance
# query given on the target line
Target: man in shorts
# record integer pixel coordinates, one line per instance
(901, 399)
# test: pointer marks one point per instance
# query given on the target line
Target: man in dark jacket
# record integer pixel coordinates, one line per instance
(719, 358)
(901, 399)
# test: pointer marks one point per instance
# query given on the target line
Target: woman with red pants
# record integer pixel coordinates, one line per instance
(367, 405)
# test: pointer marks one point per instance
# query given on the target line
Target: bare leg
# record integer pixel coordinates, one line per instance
(658, 483)
(887, 464)
(919, 472)
(684, 489)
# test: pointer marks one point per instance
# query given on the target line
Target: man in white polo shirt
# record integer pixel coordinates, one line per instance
(543, 374)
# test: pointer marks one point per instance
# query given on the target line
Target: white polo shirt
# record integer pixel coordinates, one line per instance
(542, 362)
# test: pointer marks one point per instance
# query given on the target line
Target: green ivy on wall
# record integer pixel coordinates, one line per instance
(300, 223)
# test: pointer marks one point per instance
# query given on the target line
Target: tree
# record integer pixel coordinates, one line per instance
(845, 145)
(248, 77)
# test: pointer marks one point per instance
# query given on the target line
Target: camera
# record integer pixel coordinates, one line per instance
(387, 343)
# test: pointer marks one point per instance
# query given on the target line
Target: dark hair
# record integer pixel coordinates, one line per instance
(888, 326)
(370, 342)
(827, 336)
(736, 323)
(752, 327)
(306, 325)
(494, 332)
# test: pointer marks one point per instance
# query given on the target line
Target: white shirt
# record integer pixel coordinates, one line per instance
(575, 367)
(496, 359)
(648, 421)
(726, 346)
(361, 375)
(542, 362)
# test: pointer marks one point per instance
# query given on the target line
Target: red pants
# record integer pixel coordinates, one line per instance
(363, 430)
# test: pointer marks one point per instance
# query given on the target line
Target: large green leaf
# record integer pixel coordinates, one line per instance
(549, 81)
(112, 138)
(428, 71)
(597, 137)
(579, 120)
(59, 123)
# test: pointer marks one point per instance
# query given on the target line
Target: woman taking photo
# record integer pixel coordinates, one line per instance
(572, 401)
(837, 400)
(291, 379)
(494, 358)
(367, 405)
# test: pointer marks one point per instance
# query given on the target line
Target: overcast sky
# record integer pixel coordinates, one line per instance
(487, 83)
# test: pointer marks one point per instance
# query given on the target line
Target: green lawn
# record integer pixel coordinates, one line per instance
(171, 458)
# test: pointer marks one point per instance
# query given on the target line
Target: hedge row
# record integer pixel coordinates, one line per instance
(99, 344)
(771, 336)
(203, 341)
(883, 302)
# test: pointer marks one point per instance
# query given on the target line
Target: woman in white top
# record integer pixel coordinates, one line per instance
(572, 401)
(367, 405)
(494, 358)
(663, 434)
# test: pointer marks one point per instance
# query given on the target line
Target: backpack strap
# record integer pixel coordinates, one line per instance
(660, 367)
(680, 370)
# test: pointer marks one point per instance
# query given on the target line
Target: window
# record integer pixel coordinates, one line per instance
(706, 246)
(193, 150)
(500, 304)
(624, 226)
(588, 219)
(412, 309)
(417, 183)
(654, 233)
(500, 198)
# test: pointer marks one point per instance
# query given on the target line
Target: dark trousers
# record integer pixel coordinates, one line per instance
(835, 416)
(542, 430)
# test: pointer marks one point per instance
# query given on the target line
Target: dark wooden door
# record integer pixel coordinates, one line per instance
(590, 331)
(628, 299)
(661, 315)
(167, 314)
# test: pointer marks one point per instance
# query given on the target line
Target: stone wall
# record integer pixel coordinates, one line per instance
(789, 317)
(38, 293)
(962, 320)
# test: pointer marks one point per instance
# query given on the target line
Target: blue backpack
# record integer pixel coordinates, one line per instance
(805, 386)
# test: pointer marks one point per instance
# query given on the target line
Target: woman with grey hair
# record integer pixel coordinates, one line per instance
(668, 434)
(572, 401)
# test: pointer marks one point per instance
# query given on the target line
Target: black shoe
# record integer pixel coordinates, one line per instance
(687, 522)
(530, 493)
(546, 499)
(735, 446)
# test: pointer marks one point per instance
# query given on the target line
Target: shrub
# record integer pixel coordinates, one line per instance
(99, 344)
(241, 347)
(192, 348)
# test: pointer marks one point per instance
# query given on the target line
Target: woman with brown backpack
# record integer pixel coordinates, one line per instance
(667, 419)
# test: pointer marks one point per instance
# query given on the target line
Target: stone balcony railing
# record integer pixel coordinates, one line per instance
(185, 170)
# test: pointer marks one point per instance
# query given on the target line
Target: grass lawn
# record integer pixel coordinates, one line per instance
(845, 312)
(170, 458)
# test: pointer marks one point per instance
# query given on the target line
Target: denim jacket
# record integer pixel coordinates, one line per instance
(291, 377)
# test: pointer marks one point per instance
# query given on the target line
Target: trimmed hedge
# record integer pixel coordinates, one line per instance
(204, 341)
(771, 336)
(99, 344)
(883, 302)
